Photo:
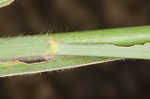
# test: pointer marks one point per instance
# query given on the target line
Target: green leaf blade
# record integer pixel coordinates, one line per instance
(24, 47)
(119, 36)
(67, 62)
(131, 42)
(4, 3)
(106, 50)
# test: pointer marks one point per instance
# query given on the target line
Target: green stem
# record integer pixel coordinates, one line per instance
(109, 43)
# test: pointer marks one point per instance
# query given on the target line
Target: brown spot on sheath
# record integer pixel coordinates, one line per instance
(29, 60)
(37, 59)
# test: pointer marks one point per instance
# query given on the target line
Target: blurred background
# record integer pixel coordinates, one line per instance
(51, 16)
(125, 79)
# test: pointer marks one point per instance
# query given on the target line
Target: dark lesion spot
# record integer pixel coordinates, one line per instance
(30, 60)
(36, 59)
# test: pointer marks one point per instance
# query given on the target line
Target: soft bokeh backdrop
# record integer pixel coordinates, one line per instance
(42, 16)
